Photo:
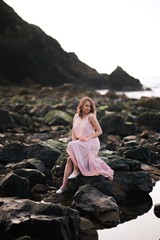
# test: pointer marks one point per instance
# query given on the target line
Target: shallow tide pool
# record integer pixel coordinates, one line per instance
(144, 227)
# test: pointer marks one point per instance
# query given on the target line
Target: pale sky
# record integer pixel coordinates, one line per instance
(103, 34)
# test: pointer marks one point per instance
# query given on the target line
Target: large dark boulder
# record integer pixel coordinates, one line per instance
(116, 124)
(149, 119)
(19, 218)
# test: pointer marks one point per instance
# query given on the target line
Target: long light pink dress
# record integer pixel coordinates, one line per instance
(85, 154)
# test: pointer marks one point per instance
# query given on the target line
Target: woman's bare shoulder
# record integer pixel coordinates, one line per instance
(91, 116)
(76, 115)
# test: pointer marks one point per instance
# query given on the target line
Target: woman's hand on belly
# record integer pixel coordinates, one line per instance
(83, 139)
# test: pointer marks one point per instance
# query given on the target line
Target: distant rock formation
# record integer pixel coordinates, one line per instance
(29, 56)
(121, 80)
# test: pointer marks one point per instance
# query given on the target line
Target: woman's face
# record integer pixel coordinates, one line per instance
(86, 107)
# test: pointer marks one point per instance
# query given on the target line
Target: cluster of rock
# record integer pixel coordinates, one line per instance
(35, 127)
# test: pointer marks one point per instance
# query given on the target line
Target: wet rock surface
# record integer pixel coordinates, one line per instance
(33, 156)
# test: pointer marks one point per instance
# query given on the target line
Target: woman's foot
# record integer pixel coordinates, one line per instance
(61, 190)
(110, 178)
(74, 174)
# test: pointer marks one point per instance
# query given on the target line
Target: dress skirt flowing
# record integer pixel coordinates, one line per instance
(84, 154)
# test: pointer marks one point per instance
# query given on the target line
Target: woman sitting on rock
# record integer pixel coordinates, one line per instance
(84, 147)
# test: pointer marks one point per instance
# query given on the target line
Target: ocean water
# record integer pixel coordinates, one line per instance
(149, 82)
(146, 226)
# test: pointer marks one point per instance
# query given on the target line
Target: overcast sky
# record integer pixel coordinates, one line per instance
(103, 34)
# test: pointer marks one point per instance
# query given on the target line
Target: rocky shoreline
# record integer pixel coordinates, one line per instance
(35, 126)
(40, 87)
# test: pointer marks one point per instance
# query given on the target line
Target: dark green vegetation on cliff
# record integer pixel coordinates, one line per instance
(28, 55)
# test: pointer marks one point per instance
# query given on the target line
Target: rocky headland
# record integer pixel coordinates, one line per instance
(29, 56)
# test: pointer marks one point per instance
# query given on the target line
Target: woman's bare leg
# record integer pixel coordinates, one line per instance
(76, 169)
(67, 172)
(75, 172)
